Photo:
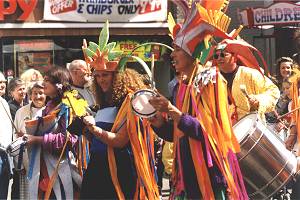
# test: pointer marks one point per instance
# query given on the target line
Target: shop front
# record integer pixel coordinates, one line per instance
(279, 20)
(42, 34)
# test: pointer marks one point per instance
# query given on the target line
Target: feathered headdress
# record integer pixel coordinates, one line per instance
(243, 52)
(101, 56)
(204, 20)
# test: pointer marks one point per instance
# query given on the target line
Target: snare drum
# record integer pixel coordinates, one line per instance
(140, 103)
(16, 146)
(265, 163)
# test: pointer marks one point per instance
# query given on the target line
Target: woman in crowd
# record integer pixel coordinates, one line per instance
(284, 69)
(46, 177)
(17, 92)
(28, 112)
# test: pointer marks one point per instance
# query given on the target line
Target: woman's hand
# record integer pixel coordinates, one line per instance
(31, 139)
(89, 121)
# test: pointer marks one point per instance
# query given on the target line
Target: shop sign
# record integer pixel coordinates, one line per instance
(34, 45)
(101, 10)
(144, 52)
(277, 13)
(9, 7)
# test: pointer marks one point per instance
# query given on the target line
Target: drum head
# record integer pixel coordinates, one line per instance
(14, 148)
(242, 128)
(140, 103)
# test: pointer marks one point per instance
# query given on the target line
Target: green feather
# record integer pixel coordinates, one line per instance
(93, 47)
(114, 54)
(122, 63)
(110, 46)
(89, 53)
(104, 36)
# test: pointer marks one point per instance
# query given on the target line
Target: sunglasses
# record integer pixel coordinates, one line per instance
(220, 55)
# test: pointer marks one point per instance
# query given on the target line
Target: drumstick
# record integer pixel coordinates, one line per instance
(152, 70)
(281, 116)
(9, 117)
(244, 90)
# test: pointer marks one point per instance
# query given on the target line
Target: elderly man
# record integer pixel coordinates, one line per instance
(81, 78)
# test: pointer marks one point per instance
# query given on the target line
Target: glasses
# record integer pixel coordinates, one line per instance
(220, 55)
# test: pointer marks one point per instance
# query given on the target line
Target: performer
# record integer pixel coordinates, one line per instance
(122, 159)
(248, 89)
(46, 145)
(205, 165)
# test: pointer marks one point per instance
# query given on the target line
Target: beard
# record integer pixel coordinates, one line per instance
(88, 81)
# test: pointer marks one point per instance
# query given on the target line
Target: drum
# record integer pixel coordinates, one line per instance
(16, 146)
(140, 103)
(265, 163)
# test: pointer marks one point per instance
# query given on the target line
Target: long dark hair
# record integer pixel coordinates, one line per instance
(60, 76)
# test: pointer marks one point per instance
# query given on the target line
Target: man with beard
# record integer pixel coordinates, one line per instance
(80, 73)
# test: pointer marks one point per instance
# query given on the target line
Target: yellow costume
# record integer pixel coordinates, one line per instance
(262, 87)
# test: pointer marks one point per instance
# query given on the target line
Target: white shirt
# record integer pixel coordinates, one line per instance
(6, 128)
(26, 112)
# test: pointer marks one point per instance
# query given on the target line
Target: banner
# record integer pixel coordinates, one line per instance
(277, 13)
(143, 52)
(102, 10)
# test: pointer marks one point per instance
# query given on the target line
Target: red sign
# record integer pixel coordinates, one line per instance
(62, 6)
(9, 7)
(277, 13)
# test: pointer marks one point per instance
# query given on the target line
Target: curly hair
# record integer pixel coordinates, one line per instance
(124, 82)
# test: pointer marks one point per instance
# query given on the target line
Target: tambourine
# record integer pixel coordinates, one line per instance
(16, 146)
(140, 103)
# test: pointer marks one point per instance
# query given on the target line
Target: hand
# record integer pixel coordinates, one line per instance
(291, 141)
(160, 103)
(253, 102)
(19, 134)
(279, 126)
(157, 120)
(89, 121)
(31, 139)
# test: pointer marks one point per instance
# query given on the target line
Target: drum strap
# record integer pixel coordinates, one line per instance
(20, 158)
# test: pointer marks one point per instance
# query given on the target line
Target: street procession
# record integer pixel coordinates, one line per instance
(150, 99)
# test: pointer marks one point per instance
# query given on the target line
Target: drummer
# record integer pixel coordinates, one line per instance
(248, 89)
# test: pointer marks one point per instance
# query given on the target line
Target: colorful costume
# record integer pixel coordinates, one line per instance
(205, 165)
(135, 177)
(43, 159)
(256, 84)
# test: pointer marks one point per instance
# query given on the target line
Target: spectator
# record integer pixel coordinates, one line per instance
(81, 77)
(16, 92)
(3, 82)
(5, 140)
